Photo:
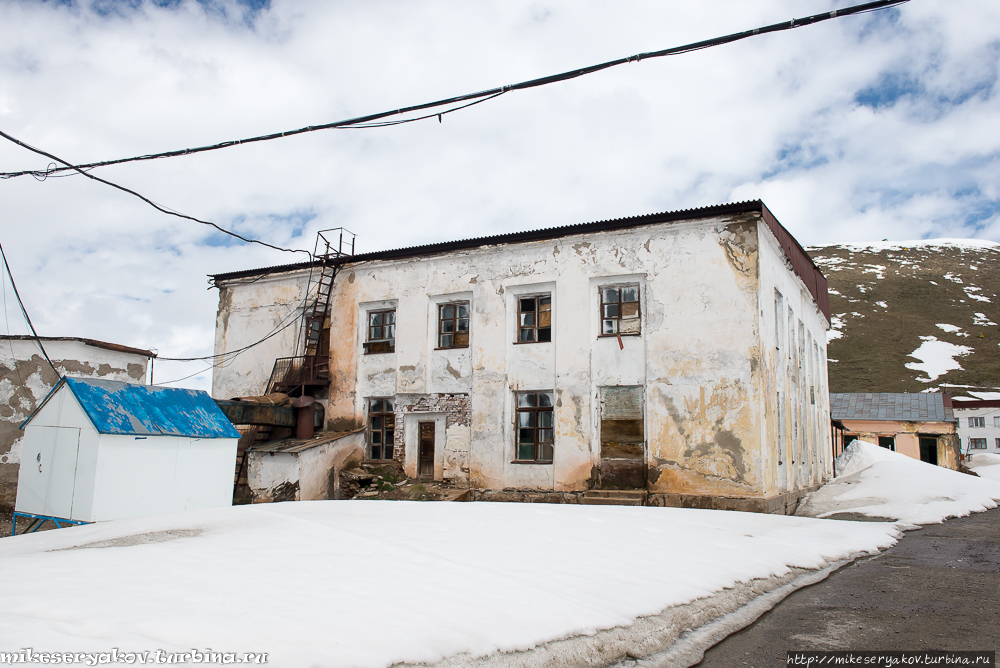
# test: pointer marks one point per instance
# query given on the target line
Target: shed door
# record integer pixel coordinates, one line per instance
(47, 477)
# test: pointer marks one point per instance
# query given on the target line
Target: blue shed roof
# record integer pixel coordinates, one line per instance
(147, 410)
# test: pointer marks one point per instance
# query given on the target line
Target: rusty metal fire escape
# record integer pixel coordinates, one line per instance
(296, 375)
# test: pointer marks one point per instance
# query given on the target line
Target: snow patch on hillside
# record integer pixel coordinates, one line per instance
(936, 357)
(952, 329)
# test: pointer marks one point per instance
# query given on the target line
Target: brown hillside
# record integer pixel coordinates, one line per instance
(889, 300)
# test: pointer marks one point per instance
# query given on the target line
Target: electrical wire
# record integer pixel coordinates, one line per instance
(367, 121)
(10, 342)
(158, 207)
(24, 312)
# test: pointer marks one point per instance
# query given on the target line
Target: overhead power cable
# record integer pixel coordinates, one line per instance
(24, 312)
(148, 201)
(482, 96)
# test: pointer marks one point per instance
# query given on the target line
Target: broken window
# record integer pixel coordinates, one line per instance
(535, 426)
(534, 319)
(453, 325)
(381, 429)
(622, 426)
(619, 310)
(381, 332)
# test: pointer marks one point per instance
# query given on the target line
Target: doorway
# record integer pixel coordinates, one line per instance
(929, 449)
(425, 449)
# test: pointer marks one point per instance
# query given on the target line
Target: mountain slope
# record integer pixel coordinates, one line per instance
(913, 316)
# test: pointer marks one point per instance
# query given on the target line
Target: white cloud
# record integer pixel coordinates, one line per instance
(776, 117)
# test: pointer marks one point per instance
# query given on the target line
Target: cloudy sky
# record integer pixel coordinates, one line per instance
(878, 126)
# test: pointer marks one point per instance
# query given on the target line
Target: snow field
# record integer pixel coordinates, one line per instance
(372, 583)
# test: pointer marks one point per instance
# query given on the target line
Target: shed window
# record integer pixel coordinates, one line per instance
(534, 319)
(619, 310)
(887, 442)
(381, 429)
(977, 422)
(535, 427)
(453, 325)
(381, 332)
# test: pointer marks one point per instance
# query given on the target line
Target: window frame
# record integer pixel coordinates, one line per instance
(537, 444)
(382, 430)
(368, 331)
(977, 422)
(455, 320)
(519, 327)
(973, 444)
(996, 421)
(617, 319)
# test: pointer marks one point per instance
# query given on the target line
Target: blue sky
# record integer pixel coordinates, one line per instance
(870, 127)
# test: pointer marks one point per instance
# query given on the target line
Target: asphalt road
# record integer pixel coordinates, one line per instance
(937, 588)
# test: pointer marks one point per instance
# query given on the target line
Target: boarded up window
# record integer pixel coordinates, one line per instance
(622, 426)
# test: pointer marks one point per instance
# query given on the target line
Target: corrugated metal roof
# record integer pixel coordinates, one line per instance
(802, 263)
(890, 406)
(300, 444)
(116, 407)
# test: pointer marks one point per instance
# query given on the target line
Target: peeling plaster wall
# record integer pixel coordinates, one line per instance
(26, 379)
(792, 373)
(705, 287)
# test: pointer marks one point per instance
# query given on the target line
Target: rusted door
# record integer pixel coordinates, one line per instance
(426, 450)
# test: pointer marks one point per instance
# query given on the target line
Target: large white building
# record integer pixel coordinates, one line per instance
(682, 353)
(978, 425)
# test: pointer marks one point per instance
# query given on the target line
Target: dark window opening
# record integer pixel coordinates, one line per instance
(534, 319)
(453, 325)
(381, 429)
(887, 442)
(929, 449)
(619, 310)
(535, 427)
(381, 332)
(848, 439)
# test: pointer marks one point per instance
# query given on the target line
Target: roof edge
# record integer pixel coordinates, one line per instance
(117, 347)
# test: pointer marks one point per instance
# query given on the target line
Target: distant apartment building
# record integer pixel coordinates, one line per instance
(978, 425)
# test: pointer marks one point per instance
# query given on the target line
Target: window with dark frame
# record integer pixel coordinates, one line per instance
(977, 443)
(381, 429)
(619, 310)
(535, 428)
(534, 319)
(381, 332)
(998, 442)
(453, 325)
(977, 422)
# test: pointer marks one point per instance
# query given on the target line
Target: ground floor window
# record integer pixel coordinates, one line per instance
(887, 442)
(381, 429)
(977, 443)
(534, 426)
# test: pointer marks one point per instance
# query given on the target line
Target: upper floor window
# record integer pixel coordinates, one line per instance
(619, 310)
(996, 422)
(535, 427)
(381, 332)
(453, 325)
(977, 422)
(381, 429)
(534, 319)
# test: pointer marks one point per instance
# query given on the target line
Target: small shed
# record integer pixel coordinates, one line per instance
(303, 469)
(102, 450)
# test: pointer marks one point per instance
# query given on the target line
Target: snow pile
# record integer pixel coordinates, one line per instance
(373, 583)
(877, 482)
(986, 465)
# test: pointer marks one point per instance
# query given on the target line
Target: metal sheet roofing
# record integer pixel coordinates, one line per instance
(116, 407)
(802, 264)
(890, 406)
(295, 445)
